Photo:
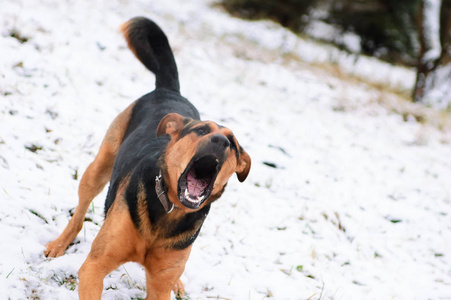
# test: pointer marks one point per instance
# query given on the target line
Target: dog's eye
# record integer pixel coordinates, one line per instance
(232, 142)
(204, 130)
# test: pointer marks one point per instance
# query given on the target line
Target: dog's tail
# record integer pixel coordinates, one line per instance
(150, 45)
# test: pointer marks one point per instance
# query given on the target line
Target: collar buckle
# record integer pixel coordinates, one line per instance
(161, 193)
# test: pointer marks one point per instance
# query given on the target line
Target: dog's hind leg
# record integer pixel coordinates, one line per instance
(93, 181)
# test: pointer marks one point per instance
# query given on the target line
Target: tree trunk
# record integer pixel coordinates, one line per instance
(433, 83)
(445, 32)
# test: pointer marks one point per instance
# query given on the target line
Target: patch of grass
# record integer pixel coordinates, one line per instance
(51, 113)
(114, 288)
(130, 281)
(33, 148)
(182, 297)
(38, 215)
(70, 282)
(270, 164)
(18, 36)
(10, 272)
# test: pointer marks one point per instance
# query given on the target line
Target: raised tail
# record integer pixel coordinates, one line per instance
(150, 45)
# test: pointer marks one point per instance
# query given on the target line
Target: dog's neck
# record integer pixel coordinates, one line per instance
(160, 189)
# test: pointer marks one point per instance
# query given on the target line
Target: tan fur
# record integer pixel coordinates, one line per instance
(124, 29)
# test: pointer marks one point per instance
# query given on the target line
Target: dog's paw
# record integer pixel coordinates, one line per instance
(179, 290)
(54, 249)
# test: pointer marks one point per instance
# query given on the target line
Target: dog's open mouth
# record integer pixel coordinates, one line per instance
(196, 183)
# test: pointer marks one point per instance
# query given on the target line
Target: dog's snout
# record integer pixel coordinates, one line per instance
(220, 140)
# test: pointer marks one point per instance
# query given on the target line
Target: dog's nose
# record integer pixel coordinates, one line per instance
(220, 141)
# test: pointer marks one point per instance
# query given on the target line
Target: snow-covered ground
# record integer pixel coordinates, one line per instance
(345, 199)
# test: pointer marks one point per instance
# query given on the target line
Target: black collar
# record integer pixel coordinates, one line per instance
(160, 189)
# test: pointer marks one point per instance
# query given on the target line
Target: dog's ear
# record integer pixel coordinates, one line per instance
(243, 166)
(171, 124)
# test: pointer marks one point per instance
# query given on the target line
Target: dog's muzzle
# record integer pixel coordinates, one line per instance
(197, 181)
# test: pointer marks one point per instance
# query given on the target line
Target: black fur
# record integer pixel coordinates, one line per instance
(182, 244)
(151, 46)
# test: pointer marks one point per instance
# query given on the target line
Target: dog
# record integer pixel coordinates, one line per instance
(165, 168)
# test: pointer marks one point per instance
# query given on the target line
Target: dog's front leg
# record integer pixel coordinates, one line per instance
(163, 270)
(117, 242)
(93, 181)
(91, 276)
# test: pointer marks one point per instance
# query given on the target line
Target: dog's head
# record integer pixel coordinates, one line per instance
(200, 159)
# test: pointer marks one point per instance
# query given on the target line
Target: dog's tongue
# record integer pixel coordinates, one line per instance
(196, 186)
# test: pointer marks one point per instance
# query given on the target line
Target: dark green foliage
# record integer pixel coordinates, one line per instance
(288, 13)
(387, 28)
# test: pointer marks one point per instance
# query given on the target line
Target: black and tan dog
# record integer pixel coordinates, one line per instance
(165, 168)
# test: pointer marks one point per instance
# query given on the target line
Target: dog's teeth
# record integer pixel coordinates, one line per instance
(191, 199)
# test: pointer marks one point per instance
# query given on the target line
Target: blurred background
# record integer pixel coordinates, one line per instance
(412, 33)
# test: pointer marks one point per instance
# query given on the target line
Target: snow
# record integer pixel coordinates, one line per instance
(357, 206)
(323, 31)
